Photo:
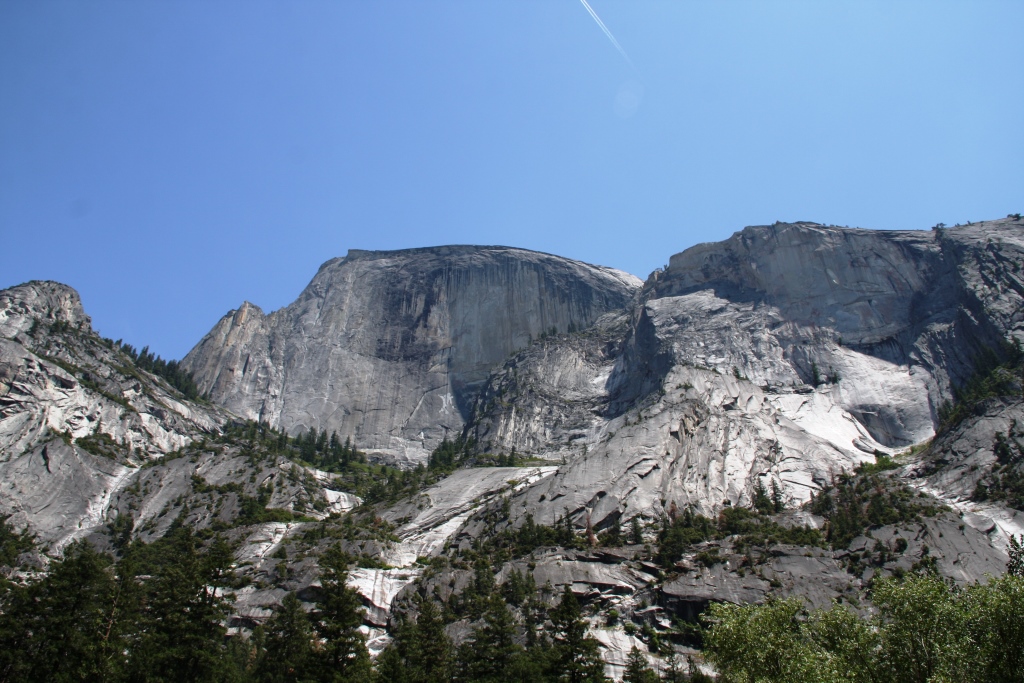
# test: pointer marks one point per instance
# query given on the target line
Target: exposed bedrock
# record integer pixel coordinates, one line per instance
(392, 347)
(786, 353)
(76, 416)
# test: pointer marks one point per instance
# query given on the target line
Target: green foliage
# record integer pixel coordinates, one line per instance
(924, 631)
(816, 378)
(287, 654)
(758, 643)
(13, 543)
(497, 547)
(252, 510)
(157, 615)
(997, 374)
(171, 371)
(101, 444)
(492, 651)
(1015, 566)
(61, 628)
(450, 455)
(575, 655)
(343, 655)
(883, 463)
(853, 503)
(636, 534)
(181, 634)
(1006, 481)
(637, 669)
(421, 652)
(678, 535)
(373, 483)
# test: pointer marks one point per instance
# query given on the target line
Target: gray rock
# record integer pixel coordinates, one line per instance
(710, 386)
(62, 386)
(392, 347)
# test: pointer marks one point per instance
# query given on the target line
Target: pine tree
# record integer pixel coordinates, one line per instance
(66, 626)
(1015, 567)
(391, 666)
(777, 503)
(636, 536)
(182, 634)
(343, 656)
(288, 655)
(637, 670)
(433, 647)
(492, 650)
(673, 671)
(575, 656)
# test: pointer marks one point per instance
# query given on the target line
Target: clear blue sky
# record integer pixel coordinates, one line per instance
(172, 159)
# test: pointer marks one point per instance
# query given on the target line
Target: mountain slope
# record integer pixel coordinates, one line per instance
(76, 415)
(784, 354)
(391, 347)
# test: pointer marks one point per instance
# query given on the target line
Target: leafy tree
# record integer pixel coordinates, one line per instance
(923, 635)
(925, 631)
(994, 616)
(849, 643)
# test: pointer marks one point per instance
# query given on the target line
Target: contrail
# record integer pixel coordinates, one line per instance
(608, 33)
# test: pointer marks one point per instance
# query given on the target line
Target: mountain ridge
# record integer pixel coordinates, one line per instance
(702, 409)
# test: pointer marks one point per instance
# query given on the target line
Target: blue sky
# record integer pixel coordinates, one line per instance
(172, 159)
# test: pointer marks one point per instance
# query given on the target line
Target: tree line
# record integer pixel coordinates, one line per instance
(159, 614)
(170, 370)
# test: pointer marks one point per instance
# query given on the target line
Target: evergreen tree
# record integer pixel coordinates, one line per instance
(636, 536)
(181, 629)
(777, 503)
(492, 650)
(12, 543)
(433, 647)
(1015, 567)
(637, 670)
(575, 656)
(65, 627)
(762, 502)
(343, 656)
(390, 666)
(673, 671)
(288, 655)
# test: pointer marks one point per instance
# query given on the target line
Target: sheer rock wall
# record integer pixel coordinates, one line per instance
(391, 347)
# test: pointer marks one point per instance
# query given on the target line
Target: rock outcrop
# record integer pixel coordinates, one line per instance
(787, 353)
(778, 358)
(76, 417)
(390, 348)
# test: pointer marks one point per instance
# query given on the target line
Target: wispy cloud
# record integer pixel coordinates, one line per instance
(608, 33)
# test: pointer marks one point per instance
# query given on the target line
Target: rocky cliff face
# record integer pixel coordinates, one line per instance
(783, 355)
(787, 353)
(76, 417)
(390, 348)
